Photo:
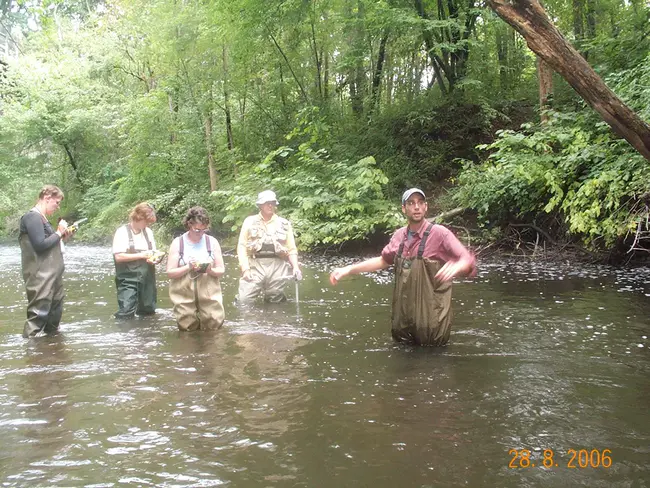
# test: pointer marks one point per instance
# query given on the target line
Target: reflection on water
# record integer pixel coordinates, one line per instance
(541, 357)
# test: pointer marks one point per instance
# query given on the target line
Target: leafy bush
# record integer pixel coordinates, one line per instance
(573, 166)
(328, 202)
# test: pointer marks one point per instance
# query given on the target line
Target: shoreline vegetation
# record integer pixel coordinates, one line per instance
(338, 109)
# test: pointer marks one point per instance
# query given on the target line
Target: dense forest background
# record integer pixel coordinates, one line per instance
(337, 105)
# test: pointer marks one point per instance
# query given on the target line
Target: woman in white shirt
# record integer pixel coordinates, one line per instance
(194, 267)
(135, 272)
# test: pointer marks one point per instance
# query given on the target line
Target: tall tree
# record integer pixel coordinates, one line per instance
(530, 20)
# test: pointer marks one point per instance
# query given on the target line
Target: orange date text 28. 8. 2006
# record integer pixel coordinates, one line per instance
(573, 458)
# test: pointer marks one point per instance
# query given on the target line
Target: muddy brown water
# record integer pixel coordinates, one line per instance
(550, 359)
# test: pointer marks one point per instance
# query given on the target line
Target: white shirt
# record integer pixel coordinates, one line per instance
(121, 240)
(198, 250)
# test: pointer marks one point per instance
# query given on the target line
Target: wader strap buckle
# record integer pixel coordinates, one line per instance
(423, 242)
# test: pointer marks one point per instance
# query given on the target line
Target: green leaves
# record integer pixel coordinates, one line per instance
(571, 166)
(328, 202)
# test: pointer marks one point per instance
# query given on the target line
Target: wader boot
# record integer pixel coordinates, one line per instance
(43, 276)
(136, 284)
(136, 288)
(268, 276)
(421, 303)
(198, 302)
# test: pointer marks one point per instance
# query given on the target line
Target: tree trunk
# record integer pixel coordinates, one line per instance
(502, 57)
(286, 60)
(226, 99)
(357, 73)
(590, 17)
(578, 23)
(208, 146)
(545, 76)
(435, 62)
(376, 77)
(326, 74)
(389, 79)
(530, 20)
(73, 163)
(173, 110)
(317, 60)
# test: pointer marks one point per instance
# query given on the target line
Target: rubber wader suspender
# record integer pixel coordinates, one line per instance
(181, 249)
(131, 249)
(420, 248)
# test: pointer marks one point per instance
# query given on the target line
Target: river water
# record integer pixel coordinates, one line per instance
(548, 359)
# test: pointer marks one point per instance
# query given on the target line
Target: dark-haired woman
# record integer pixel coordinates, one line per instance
(42, 263)
(135, 271)
(195, 266)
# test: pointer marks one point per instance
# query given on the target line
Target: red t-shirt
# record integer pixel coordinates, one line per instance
(442, 245)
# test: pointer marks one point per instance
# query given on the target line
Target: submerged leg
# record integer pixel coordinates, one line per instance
(147, 292)
(276, 270)
(127, 298)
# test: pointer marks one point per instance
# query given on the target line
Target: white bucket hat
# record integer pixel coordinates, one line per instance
(265, 197)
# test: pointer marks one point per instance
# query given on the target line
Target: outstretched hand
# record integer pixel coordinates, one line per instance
(339, 273)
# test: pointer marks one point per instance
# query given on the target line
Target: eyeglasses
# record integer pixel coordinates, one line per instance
(413, 203)
(198, 231)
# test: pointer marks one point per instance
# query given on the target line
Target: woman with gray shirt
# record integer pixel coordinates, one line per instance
(42, 263)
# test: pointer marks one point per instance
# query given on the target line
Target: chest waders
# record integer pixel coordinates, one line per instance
(264, 244)
(136, 283)
(267, 254)
(421, 303)
(43, 276)
(197, 298)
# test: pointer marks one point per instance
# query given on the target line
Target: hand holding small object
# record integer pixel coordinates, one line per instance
(199, 267)
(297, 274)
(156, 257)
(62, 227)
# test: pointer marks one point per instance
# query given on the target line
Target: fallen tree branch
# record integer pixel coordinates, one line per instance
(447, 215)
(536, 229)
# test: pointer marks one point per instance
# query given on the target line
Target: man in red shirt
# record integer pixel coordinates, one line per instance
(426, 257)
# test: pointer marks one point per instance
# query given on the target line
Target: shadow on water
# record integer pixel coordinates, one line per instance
(541, 358)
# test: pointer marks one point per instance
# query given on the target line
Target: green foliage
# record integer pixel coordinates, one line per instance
(418, 145)
(327, 201)
(572, 166)
(134, 100)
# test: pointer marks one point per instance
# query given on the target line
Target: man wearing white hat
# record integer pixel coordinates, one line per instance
(267, 253)
(426, 258)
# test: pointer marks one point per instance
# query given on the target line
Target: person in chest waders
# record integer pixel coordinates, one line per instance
(267, 253)
(42, 263)
(195, 266)
(135, 271)
(426, 258)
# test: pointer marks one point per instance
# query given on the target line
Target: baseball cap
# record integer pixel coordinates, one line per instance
(410, 192)
(265, 197)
